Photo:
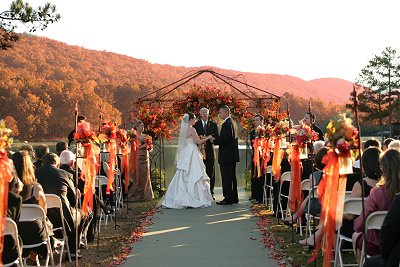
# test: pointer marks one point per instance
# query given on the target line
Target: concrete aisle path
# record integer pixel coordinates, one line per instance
(214, 236)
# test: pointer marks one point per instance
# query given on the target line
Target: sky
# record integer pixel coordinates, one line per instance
(307, 39)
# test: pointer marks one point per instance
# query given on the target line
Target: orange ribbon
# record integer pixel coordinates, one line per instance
(296, 195)
(277, 159)
(125, 166)
(331, 195)
(112, 164)
(88, 175)
(5, 177)
(266, 155)
(256, 158)
(134, 156)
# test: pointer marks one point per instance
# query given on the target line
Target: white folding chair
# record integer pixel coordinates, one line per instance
(54, 201)
(268, 188)
(12, 230)
(30, 213)
(374, 221)
(351, 206)
(117, 184)
(100, 182)
(347, 194)
(284, 178)
(305, 186)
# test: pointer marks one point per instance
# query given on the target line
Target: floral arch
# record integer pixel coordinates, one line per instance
(161, 109)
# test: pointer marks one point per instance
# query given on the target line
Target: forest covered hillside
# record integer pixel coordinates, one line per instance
(42, 79)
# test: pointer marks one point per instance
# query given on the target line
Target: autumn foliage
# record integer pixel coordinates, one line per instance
(41, 80)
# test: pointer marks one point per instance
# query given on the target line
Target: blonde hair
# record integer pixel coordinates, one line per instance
(390, 163)
(24, 168)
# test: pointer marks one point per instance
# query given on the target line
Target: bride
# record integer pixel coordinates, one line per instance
(190, 186)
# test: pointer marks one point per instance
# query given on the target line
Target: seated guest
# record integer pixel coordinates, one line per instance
(380, 199)
(61, 183)
(27, 147)
(372, 142)
(390, 239)
(394, 144)
(32, 193)
(67, 163)
(60, 147)
(315, 207)
(386, 143)
(40, 151)
(372, 172)
(10, 252)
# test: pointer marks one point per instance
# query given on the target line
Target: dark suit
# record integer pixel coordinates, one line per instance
(228, 155)
(61, 183)
(209, 161)
(257, 183)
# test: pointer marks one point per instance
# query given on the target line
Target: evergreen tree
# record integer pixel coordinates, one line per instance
(378, 80)
(22, 13)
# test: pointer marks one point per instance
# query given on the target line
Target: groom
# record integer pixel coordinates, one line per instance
(228, 155)
(206, 127)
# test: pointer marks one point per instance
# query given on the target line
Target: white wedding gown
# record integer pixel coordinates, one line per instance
(190, 186)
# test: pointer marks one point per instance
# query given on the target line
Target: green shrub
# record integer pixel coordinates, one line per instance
(247, 179)
(157, 182)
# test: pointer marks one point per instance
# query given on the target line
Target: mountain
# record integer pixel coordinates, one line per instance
(42, 79)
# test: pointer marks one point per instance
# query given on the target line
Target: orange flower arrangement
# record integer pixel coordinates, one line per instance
(159, 123)
(85, 134)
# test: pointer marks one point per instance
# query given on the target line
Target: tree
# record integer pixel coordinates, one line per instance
(378, 79)
(33, 19)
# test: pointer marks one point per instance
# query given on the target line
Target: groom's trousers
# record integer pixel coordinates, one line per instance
(210, 170)
(229, 182)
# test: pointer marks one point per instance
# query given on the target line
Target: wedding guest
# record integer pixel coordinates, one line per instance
(141, 188)
(315, 206)
(204, 127)
(29, 149)
(60, 182)
(380, 199)
(372, 172)
(10, 251)
(32, 193)
(394, 144)
(60, 147)
(389, 239)
(386, 143)
(257, 182)
(40, 151)
(372, 142)
(309, 119)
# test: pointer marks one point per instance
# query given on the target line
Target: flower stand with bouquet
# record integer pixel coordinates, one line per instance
(122, 144)
(108, 134)
(6, 176)
(281, 129)
(343, 137)
(87, 138)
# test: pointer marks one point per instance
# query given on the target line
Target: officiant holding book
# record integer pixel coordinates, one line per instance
(205, 127)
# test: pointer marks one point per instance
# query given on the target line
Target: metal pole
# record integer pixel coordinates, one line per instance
(76, 192)
(361, 164)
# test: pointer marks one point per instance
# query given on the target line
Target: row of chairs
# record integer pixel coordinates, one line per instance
(351, 206)
(30, 213)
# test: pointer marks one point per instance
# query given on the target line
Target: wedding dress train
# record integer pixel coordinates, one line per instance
(190, 186)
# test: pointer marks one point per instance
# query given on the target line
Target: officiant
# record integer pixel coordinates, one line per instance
(204, 127)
